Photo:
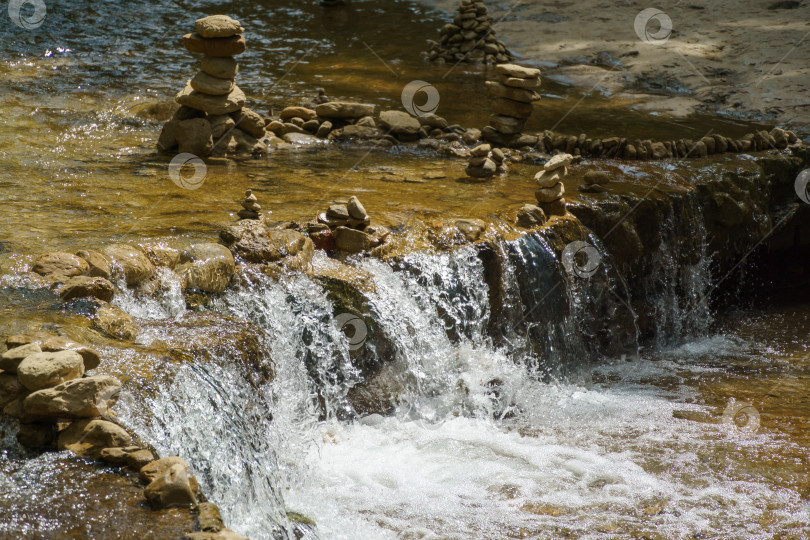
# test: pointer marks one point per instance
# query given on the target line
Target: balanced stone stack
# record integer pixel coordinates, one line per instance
(348, 228)
(512, 102)
(250, 208)
(212, 119)
(469, 38)
(550, 189)
(485, 162)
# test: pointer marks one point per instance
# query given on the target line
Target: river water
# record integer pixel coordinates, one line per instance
(484, 439)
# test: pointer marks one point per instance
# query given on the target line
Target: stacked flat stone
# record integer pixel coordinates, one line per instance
(469, 38)
(347, 227)
(512, 99)
(485, 162)
(212, 119)
(550, 189)
(250, 208)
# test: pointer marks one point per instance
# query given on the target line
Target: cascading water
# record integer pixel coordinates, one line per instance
(473, 442)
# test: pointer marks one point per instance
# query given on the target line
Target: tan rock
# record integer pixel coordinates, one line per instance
(510, 107)
(298, 112)
(218, 26)
(18, 340)
(507, 124)
(131, 262)
(526, 84)
(139, 459)
(158, 468)
(250, 240)
(596, 177)
(219, 47)
(194, 137)
(60, 265)
(208, 517)
(87, 438)
(550, 194)
(520, 72)
(356, 209)
(10, 389)
(90, 356)
(205, 83)
(206, 267)
(10, 359)
(98, 264)
(224, 534)
(554, 208)
(114, 456)
(518, 94)
(161, 254)
(354, 241)
(558, 161)
(88, 397)
(49, 369)
(221, 67)
(471, 229)
(114, 322)
(250, 122)
(173, 488)
(400, 123)
(530, 216)
(342, 109)
(221, 124)
(87, 287)
(212, 105)
(547, 179)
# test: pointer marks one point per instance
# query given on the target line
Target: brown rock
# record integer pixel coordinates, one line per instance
(18, 340)
(250, 240)
(558, 161)
(98, 265)
(131, 262)
(158, 468)
(139, 459)
(114, 456)
(356, 209)
(10, 389)
(510, 107)
(90, 356)
(228, 46)
(354, 241)
(400, 124)
(114, 322)
(209, 518)
(298, 112)
(530, 216)
(205, 83)
(87, 438)
(84, 287)
(518, 94)
(250, 122)
(60, 265)
(88, 397)
(48, 369)
(551, 194)
(10, 360)
(212, 105)
(223, 67)
(341, 109)
(470, 229)
(520, 72)
(507, 124)
(206, 267)
(172, 489)
(194, 137)
(596, 177)
(527, 84)
(547, 179)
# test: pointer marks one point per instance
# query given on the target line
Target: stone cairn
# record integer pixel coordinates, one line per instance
(469, 38)
(485, 162)
(250, 208)
(212, 119)
(512, 102)
(550, 189)
(347, 227)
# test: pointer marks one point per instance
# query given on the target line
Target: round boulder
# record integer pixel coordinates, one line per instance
(206, 267)
(48, 369)
(130, 261)
(87, 438)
